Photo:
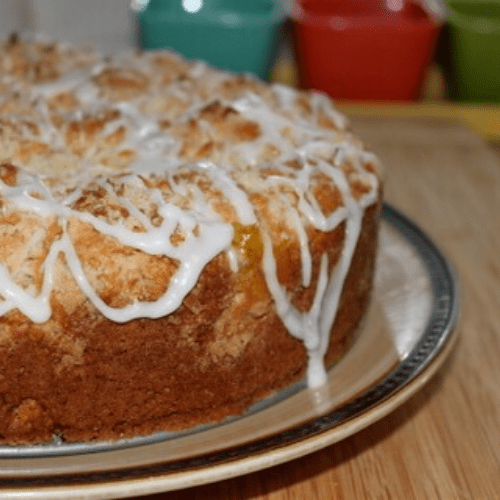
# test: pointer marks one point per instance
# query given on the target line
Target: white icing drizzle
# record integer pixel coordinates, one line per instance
(208, 244)
(193, 254)
(313, 327)
(305, 253)
(304, 326)
(205, 232)
(239, 199)
(37, 309)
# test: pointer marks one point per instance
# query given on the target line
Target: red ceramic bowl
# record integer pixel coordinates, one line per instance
(364, 49)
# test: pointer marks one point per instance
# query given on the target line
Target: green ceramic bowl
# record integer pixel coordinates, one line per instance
(474, 50)
(237, 35)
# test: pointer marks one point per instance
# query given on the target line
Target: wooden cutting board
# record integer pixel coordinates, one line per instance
(444, 443)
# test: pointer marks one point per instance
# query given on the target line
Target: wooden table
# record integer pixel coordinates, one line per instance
(444, 443)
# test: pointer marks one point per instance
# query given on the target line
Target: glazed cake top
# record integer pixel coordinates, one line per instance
(169, 158)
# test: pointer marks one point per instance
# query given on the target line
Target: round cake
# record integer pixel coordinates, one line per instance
(176, 242)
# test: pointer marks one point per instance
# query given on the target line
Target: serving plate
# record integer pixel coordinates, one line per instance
(407, 335)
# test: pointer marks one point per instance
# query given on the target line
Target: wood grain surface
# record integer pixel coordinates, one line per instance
(444, 443)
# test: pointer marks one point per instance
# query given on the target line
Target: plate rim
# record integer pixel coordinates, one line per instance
(417, 367)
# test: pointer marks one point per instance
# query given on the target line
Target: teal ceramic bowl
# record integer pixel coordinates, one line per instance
(237, 35)
(473, 50)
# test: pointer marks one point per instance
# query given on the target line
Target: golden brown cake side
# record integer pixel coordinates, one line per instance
(175, 242)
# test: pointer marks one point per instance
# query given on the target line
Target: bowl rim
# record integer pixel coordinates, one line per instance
(340, 22)
(480, 24)
(275, 15)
